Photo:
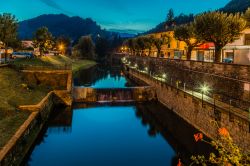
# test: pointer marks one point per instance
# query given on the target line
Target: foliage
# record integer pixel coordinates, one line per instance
(101, 48)
(8, 31)
(247, 17)
(159, 42)
(219, 28)
(141, 43)
(232, 7)
(85, 48)
(43, 40)
(170, 21)
(227, 153)
(131, 43)
(186, 33)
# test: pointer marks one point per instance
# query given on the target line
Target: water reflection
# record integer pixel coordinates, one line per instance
(102, 76)
(141, 134)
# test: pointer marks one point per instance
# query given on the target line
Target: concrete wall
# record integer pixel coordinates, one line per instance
(200, 116)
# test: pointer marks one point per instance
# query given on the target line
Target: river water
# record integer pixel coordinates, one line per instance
(142, 134)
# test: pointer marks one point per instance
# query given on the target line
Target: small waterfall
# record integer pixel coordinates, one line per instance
(135, 94)
(114, 95)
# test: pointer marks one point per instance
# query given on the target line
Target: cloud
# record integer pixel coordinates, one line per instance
(53, 4)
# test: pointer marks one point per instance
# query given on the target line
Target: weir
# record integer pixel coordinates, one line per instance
(106, 95)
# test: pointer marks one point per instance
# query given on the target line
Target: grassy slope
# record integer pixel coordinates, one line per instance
(13, 93)
(56, 60)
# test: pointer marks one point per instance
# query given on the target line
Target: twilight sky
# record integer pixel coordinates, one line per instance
(127, 15)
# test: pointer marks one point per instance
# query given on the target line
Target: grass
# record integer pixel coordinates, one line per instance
(14, 92)
(50, 61)
(78, 65)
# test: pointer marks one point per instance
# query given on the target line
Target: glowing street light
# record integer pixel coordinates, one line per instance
(204, 90)
(61, 48)
(164, 76)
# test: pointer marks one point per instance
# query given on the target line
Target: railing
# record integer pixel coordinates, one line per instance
(211, 97)
(204, 97)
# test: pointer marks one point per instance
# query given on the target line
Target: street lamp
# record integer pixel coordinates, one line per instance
(204, 90)
(164, 76)
(61, 48)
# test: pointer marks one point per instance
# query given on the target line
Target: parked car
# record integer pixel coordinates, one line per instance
(27, 55)
(228, 60)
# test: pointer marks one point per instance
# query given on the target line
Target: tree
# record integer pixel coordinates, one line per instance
(85, 47)
(247, 17)
(170, 21)
(186, 33)
(149, 41)
(101, 48)
(159, 42)
(43, 40)
(142, 45)
(8, 31)
(219, 28)
(131, 45)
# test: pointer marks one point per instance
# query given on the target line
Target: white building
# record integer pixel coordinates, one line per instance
(238, 51)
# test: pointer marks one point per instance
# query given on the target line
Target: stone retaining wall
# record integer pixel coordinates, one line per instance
(18, 146)
(228, 82)
(201, 116)
(56, 79)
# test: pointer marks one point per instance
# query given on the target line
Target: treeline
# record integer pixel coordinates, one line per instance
(233, 6)
(95, 47)
(216, 27)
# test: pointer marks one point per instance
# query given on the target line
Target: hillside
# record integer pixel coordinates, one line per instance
(236, 6)
(232, 7)
(59, 24)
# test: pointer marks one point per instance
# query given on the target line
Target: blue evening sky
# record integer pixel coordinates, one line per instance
(135, 15)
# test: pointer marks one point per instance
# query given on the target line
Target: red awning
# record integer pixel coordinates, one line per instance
(206, 46)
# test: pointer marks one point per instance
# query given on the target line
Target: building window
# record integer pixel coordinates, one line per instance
(247, 39)
(169, 45)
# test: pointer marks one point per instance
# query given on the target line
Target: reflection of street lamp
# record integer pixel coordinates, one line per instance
(204, 90)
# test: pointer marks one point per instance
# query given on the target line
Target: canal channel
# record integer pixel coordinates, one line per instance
(131, 134)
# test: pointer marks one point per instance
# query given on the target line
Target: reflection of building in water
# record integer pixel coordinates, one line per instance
(61, 121)
(177, 132)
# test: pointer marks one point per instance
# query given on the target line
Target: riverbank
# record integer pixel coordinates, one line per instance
(15, 91)
(55, 61)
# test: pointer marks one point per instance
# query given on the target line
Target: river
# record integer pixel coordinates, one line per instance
(141, 134)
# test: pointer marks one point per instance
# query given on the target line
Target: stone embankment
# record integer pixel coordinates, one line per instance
(18, 146)
(203, 114)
